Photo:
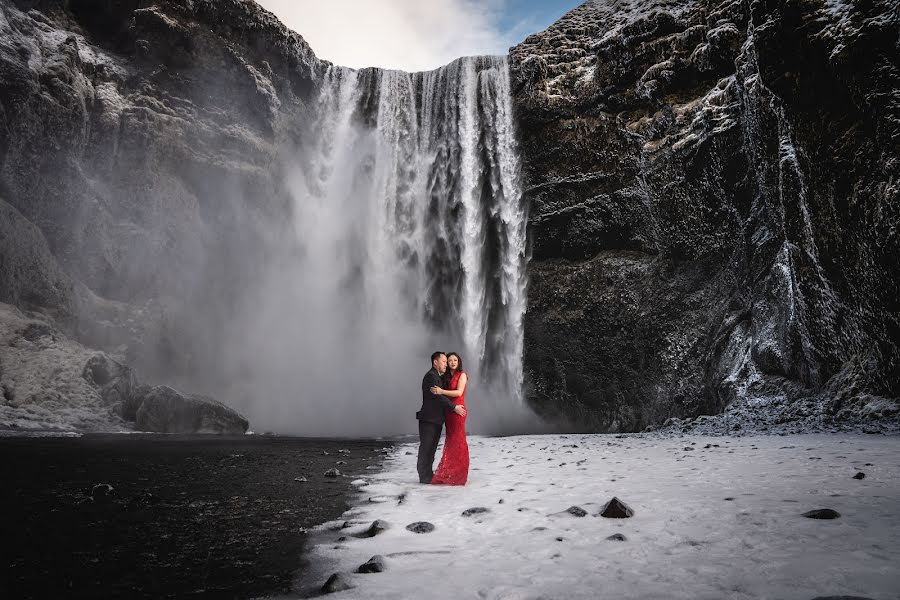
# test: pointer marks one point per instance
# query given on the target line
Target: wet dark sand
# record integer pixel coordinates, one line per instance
(189, 517)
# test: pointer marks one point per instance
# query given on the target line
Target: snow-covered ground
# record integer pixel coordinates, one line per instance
(722, 519)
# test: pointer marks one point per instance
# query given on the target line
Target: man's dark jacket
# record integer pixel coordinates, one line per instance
(433, 406)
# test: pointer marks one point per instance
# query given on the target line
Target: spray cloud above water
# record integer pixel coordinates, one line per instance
(410, 237)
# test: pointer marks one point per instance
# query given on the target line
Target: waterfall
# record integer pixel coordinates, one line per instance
(411, 234)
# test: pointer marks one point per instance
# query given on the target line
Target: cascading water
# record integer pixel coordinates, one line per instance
(411, 227)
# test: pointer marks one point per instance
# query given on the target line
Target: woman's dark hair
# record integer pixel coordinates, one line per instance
(458, 357)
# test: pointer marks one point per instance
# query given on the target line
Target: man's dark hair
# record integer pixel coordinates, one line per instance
(435, 356)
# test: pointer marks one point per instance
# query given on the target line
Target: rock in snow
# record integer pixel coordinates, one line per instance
(338, 582)
(373, 565)
(420, 527)
(822, 513)
(376, 528)
(616, 509)
(477, 510)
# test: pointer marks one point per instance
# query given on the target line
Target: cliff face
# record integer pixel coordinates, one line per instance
(140, 139)
(714, 210)
(139, 180)
(712, 192)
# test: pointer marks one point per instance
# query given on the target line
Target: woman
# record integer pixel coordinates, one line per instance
(454, 466)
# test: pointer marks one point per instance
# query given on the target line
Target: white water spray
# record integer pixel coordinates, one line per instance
(410, 227)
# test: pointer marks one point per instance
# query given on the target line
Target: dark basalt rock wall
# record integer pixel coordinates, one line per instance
(140, 185)
(141, 139)
(30, 275)
(712, 190)
(714, 210)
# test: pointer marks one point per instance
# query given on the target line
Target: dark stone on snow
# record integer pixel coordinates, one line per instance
(617, 537)
(420, 527)
(377, 526)
(859, 475)
(616, 509)
(337, 583)
(478, 510)
(373, 565)
(822, 513)
(576, 511)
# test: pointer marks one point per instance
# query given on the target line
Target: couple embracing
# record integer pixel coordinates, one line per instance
(443, 401)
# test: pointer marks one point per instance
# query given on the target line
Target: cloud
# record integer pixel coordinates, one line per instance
(412, 35)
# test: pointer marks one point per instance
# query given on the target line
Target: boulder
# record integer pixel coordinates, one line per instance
(166, 410)
(338, 582)
(377, 527)
(616, 509)
(373, 565)
(117, 383)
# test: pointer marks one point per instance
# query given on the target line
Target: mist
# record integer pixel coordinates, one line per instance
(406, 235)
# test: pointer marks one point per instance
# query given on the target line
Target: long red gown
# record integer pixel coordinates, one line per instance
(454, 466)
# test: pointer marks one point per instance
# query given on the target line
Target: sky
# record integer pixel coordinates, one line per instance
(414, 35)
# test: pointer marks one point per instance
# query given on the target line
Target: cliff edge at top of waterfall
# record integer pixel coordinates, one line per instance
(637, 48)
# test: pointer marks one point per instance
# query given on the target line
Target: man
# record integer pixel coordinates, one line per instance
(431, 417)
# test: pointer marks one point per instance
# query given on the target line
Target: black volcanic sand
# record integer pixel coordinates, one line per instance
(195, 517)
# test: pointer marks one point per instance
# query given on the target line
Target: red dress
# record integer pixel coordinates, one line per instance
(454, 466)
